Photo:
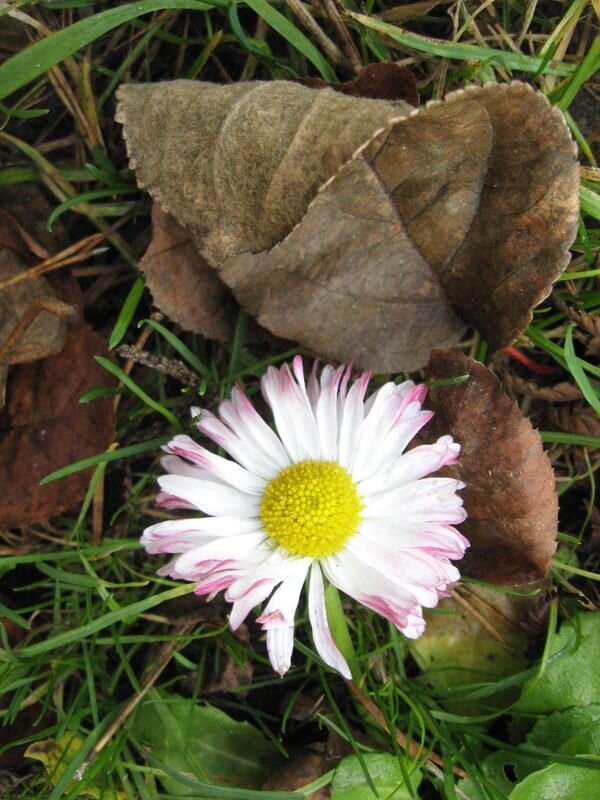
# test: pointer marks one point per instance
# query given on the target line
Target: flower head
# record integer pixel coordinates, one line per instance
(331, 491)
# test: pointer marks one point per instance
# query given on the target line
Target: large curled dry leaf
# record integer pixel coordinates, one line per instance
(361, 228)
(509, 496)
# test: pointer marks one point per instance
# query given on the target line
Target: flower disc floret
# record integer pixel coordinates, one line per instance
(311, 508)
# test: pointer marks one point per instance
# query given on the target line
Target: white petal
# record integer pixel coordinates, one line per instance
(211, 498)
(179, 535)
(412, 466)
(241, 607)
(280, 643)
(247, 423)
(322, 637)
(230, 548)
(393, 420)
(228, 471)
(281, 608)
(242, 450)
(370, 588)
(432, 499)
(352, 417)
(293, 414)
(398, 535)
(326, 412)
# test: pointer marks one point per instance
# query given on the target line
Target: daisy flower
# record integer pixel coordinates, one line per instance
(329, 493)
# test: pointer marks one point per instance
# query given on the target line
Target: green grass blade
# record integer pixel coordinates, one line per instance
(80, 199)
(180, 348)
(590, 202)
(41, 56)
(127, 312)
(105, 621)
(295, 37)
(582, 380)
(133, 387)
(101, 458)
(575, 439)
(461, 52)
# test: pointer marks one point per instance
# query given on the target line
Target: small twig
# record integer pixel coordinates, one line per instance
(328, 46)
(414, 749)
(168, 366)
(348, 45)
(70, 255)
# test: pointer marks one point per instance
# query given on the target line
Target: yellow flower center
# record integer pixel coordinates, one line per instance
(311, 508)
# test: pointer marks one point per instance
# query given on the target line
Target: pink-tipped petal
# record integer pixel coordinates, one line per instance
(317, 615)
(280, 643)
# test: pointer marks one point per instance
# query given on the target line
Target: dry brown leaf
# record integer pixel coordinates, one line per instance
(46, 334)
(379, 81)
(182, 284)
(44, 427)
(303, 768)
(509, 496)
(384, 219)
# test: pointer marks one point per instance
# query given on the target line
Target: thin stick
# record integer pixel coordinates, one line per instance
(348, 45)
(70, 255)
(329, 47)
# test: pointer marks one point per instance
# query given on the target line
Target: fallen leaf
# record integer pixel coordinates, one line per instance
(509, 497)
(473, 637)
(364, 229)
(379, 81)
(303, 768)
(182, 284)
(44, 427)
(56, 755)
(45, 336)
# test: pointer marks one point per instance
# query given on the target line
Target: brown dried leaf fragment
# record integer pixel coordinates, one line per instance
(380, 81)
(182, 284)
(478, 193)
(45, 427)
(509, 496)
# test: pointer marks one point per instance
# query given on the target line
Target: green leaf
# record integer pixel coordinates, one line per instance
(571, 677)
(387, 775)
(203, 742)
(559, 782)
(572, 732)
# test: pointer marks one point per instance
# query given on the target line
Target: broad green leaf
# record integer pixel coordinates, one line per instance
(571, 677)
(572, 732)
(203, 743)
(385, 772)
(559, 782)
